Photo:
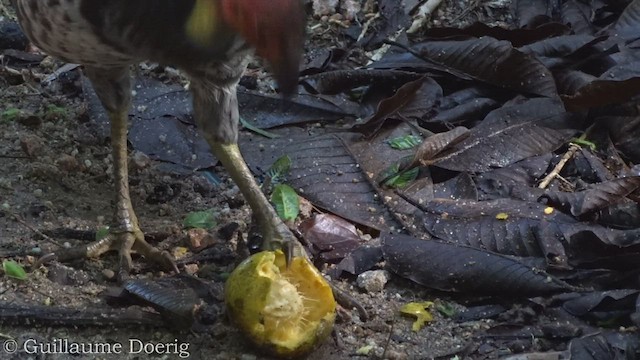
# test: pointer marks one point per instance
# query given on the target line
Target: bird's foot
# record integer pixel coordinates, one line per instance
(126, 243)
(277, 236)
(275, 233)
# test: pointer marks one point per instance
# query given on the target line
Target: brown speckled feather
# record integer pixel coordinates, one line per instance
(114, 32)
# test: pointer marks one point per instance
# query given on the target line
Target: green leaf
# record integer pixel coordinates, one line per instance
(402, 179)
(446, 309)
(56, 112)
(200, 219)
(14, 270)
(249, 126)
(390, 172)
(395, 169)
(585, 143)
(285, 201)
(102, 233)
(10, 114)
(279, 169)
(405, 142)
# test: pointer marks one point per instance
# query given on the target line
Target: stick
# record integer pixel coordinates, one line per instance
(556, 170)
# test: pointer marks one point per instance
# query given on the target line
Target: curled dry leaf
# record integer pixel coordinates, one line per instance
(434, 145)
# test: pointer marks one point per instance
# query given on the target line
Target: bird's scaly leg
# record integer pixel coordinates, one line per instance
(125, 236)
(275, 233)
(215, 108)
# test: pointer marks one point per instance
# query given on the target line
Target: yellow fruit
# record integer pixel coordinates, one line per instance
(286, 311)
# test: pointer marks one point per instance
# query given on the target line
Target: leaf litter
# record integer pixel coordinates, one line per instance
(495, 109)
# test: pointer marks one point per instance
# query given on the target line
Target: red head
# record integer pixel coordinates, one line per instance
(276, 29)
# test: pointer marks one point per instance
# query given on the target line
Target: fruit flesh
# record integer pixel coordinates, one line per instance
(285, 310)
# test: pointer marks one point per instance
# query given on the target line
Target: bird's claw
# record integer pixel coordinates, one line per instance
(45, 259)
(288, 250)
(283, 239)
(125, 242)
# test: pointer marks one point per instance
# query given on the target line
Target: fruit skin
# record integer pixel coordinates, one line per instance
(285, 311)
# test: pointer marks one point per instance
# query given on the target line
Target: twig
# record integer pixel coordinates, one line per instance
(423, 15)
(466, 12)
(386, 345)
(348, 302)
(74, 317)
(380, 52)
(556, 170)
(13, 157)
(339, 23)
(19, 219)
(366, 26)
(566, 182)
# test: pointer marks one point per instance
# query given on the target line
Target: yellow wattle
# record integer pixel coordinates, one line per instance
(201, 24)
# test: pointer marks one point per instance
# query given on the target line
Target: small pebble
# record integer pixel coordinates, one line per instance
(324, 7)
(140, 160)
(6, 184)
(30, 121)
(191, 269)
(32, 145)
(67, 163)
(199, 238)
(396, 355)
(37, 193)
(373, 281)
(108, 274)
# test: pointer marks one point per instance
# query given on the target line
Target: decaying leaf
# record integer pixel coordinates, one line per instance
(597, 197)
(457, 268)
(411, 100)
(333, 237)
(420, 311)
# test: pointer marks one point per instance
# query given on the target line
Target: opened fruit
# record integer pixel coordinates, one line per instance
(286, 311)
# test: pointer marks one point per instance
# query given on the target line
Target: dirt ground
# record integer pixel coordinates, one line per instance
(55, 174)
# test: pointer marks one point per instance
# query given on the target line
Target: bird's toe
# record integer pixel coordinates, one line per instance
(126, 243)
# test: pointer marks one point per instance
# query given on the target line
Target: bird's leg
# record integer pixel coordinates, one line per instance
(276, 235)
(125, 236)
(215, 108)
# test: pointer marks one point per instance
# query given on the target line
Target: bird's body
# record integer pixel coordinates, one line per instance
(210, 40)
(121, 32)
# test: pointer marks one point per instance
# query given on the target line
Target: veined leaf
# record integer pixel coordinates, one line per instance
(14, 270)
(405, 142)
(285, 201)
(279, 169)
(402, 179)
(200, 219)
(102, 233)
